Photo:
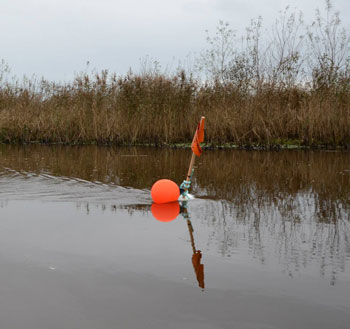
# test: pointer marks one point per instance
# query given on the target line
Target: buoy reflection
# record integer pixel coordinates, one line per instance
(165, 212)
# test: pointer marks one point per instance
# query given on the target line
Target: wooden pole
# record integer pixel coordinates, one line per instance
(189, 173)
(193, 158)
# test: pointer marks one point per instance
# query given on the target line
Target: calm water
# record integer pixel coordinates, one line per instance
(265, 243)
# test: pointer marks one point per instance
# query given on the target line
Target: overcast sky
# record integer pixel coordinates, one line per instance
(55, 38)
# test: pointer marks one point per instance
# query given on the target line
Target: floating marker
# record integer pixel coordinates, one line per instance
(165, 212)
(164, 191)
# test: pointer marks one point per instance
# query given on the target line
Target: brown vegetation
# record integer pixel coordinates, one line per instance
(294, 90)
(159, 109)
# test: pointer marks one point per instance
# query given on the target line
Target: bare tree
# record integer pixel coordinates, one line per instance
(214, 61)
(255, 51)
(329, 48)
(246, 67)
(284, 54)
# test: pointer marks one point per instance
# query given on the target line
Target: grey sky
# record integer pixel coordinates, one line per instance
(55, 38)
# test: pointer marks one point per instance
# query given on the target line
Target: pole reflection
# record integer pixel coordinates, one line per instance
(167, 212)
(197, 254)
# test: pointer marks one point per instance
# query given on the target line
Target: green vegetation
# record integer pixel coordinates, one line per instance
(291, 89)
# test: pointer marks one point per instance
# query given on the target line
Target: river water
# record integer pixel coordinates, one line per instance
(264, 244)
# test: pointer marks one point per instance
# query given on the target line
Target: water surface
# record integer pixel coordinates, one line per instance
(265, 243)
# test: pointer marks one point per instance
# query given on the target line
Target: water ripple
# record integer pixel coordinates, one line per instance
(23, 185)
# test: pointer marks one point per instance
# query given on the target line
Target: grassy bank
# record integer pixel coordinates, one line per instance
(157, 109)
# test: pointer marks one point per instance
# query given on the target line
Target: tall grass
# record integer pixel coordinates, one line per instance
(159, 109)
(282, 94)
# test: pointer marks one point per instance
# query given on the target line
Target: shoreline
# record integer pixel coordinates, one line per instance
(287, 145)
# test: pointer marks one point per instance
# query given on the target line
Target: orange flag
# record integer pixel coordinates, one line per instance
(198, 138)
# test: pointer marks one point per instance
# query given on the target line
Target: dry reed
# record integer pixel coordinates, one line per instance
(155, 109)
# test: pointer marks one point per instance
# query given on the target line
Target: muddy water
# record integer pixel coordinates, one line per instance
(265, 243)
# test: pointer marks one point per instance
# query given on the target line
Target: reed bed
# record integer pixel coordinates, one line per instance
(157, 109)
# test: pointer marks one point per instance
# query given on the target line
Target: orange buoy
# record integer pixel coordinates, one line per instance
(164, 191)
(165, 212)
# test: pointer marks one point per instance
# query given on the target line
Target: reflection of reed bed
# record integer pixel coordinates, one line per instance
(159, 109)
(299, 244)
(134, 167)
(276, 178)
